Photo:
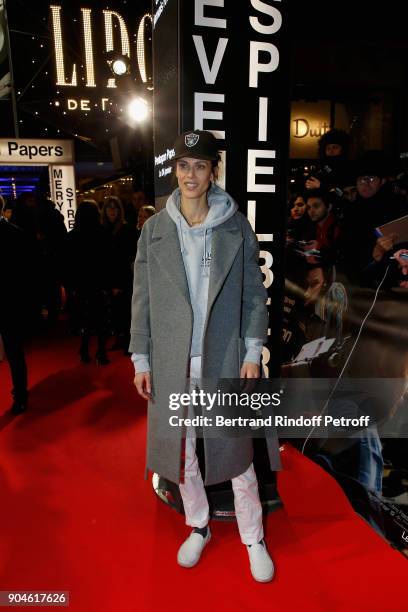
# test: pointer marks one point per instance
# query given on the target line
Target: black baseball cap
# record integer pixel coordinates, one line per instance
(197, 143)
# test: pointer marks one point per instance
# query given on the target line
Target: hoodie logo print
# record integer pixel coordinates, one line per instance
(191, 139)
(206, 261)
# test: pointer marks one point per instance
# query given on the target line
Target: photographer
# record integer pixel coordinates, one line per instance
(334, 170)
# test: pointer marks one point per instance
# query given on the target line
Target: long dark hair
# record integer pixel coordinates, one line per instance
(113, 202)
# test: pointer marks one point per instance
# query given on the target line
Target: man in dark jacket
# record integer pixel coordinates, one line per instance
(365, 254)
(12, 290)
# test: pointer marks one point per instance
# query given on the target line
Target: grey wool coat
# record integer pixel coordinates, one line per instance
(162, 324)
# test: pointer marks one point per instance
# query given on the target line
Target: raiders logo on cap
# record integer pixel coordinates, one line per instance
(191, 139)
(200, 144)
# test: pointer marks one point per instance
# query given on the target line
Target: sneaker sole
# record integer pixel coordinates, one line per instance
(187, 566)
(263, 579)
(268, 579)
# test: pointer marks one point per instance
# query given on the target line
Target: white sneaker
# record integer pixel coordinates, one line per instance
(190, 551)
(261, 564)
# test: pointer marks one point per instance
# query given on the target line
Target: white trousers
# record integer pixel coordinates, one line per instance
(248, 508)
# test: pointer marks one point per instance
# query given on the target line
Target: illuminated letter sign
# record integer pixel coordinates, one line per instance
(59, 50)
(116, 38)
(89, 60)
(141, 46)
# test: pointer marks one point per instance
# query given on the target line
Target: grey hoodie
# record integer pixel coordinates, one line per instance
(195, 246)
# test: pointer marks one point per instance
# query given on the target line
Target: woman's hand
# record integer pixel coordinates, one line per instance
(143, 385)
(250, 370)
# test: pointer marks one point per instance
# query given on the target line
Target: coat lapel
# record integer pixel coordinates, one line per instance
(165, 247)
(226, 241)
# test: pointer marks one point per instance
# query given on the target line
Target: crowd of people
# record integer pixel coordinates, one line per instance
(347, 238)
(335, 231)
(87, 273)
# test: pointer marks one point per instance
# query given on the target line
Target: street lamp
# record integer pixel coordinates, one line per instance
(118, 63)
(137, 107)
(119, 67)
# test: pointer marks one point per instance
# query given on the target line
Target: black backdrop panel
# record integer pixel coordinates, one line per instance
(166, 92)
(233, 62)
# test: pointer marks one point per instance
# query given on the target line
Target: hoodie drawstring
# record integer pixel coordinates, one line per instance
(182, 247)
(206, 263)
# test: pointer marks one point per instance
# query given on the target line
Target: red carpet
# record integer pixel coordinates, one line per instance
(76, 514)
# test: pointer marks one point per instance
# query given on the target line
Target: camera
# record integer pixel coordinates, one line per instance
(322, 173)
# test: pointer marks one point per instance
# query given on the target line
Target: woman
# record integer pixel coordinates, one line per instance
(299, 224)
(123, 240)
(112, 215)
(199, 307)
(297, 205)
(145, 212)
